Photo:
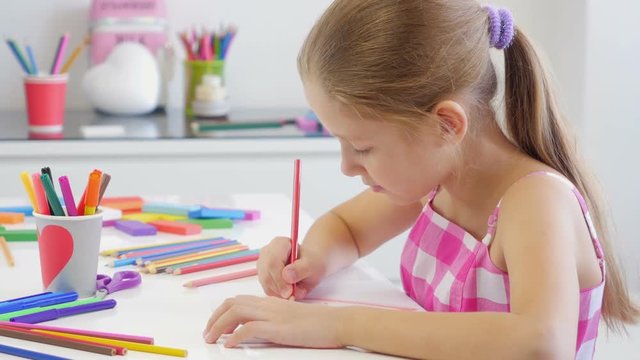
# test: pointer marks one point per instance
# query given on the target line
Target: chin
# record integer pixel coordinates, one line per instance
(402, 200)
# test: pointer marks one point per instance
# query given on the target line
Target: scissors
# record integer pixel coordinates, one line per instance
(121, 280)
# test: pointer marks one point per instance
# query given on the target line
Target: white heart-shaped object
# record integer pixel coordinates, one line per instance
(126, 83)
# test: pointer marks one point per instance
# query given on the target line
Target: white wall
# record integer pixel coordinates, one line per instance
(261, 69)
(613, 120)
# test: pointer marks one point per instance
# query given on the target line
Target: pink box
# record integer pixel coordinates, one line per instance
(45, 101)
(116, 21)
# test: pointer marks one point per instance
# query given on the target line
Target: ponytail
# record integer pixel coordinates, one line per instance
(535, 125)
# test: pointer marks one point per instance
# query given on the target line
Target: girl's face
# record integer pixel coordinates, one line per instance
(387, 159)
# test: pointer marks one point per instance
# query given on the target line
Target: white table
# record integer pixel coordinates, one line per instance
(161, 307)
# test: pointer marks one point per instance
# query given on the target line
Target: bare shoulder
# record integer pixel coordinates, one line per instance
(541, 216)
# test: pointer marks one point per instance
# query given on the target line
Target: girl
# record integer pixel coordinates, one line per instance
(509, 252)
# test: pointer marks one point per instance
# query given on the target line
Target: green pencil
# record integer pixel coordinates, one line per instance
(241, 125)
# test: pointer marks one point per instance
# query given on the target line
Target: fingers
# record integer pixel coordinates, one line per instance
(271, 261)
(251, 330)
(229, 315)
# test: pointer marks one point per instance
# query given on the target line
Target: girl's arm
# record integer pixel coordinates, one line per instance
(356, 228)
(538, 232)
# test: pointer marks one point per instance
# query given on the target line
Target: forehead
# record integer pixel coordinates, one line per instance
(342, 120)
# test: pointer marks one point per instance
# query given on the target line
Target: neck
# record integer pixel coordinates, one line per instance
(490, 163)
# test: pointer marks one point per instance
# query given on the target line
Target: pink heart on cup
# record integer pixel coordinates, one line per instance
(56, 249)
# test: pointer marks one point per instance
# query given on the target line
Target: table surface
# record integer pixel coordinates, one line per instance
(161, 307)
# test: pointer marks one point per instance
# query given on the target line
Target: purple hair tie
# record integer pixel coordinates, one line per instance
(501, 28)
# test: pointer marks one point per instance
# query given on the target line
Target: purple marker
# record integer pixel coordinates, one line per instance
(67, 195)
(135, 228)
(53, 314)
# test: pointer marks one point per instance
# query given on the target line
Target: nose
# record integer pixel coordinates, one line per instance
(349, 166)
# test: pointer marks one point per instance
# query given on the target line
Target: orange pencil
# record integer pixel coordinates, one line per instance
(93, 192)
(7, 252)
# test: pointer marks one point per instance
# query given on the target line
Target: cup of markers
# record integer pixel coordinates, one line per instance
(44, 91)
(69, 234)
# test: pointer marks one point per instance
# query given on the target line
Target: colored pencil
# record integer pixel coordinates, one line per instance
(221, 278)
(15, 49)
(202, 255)
(7, 252)
(106, 335)
(134, 346)
(28, 187)
(215, 264)
(141, 253)
(74, 55)
(28, 354)
(173, 254)
(295, 217)
(57, 60)
(121, 251)
(217, 258)
(32, 60)
(56, 340)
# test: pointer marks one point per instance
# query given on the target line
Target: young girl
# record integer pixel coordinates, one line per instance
(508, 247)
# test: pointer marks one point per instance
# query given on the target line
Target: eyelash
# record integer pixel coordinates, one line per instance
(362, 152)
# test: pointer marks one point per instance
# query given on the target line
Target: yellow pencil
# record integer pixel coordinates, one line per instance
(210, 252)
(133, 346)
(28, 186)
(74, 54)
(7, 252)
(153, 268)
(116, 252)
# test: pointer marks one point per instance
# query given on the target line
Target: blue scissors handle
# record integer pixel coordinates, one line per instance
(121, 280)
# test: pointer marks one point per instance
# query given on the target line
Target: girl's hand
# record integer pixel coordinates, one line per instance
(276, 277)
(276, 320)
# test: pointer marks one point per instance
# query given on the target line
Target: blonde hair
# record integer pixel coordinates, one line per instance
(400, 58)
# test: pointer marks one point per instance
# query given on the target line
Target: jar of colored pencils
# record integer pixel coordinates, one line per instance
(205, 95)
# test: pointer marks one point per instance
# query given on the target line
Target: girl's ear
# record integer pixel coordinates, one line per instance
(452, 120)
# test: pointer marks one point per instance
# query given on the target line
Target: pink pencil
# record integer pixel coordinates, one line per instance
(62, 47)
(214, 265)
(105, 335)
(221, 278)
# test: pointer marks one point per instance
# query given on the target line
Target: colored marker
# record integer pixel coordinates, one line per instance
(52, 196)
(57, 60)
(93, 192)
(43, 206)
(67, 195)
(28, 187)
(53, 314)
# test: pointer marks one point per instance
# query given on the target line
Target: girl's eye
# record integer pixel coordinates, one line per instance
(362, 151)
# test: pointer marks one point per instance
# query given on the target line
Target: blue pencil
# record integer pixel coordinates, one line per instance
(32, 60)
(28, 354)
(18, 54)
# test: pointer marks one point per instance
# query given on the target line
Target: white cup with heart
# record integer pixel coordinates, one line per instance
(69, 249)
(126, 83)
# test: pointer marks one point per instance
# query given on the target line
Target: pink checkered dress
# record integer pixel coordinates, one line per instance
(444, 268)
